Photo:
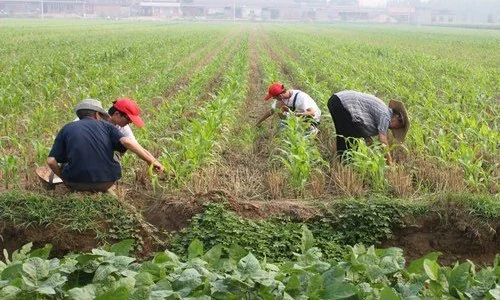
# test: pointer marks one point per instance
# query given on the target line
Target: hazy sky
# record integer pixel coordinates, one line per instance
(372, 3)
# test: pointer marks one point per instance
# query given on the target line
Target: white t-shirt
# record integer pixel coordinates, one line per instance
(126, 130)
(303, 103)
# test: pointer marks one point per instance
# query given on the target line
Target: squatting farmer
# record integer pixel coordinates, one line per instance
(292, 101)
(85, 148)
(360, 115)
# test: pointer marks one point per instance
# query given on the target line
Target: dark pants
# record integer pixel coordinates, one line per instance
(344, 126)
(90, 186)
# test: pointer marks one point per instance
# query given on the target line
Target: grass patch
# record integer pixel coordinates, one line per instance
(73, 212)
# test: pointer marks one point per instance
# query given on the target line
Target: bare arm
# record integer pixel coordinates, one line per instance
(142, 153)
(383, 139)
(264, 117)
(54, 166)
(310, 112)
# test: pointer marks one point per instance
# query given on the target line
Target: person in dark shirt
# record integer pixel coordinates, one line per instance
(85, 148)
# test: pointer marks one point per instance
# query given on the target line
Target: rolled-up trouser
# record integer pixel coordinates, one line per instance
(90, 186)
(344, 126)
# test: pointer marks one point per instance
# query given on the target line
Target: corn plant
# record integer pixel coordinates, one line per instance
(369, 162)
(297, 152)
(10, 169)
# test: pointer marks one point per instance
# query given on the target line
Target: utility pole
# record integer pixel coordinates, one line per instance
(41, 6)
(234, 10)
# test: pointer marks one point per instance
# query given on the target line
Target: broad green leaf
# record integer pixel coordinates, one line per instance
(339, 290)
(417, 266)
(213, 255)
(46, 290)
(153, 269)
(195, 249)
(102, 272)
(293, 285)
(36, 269)
(188, 280)
(431, 269)
(388, 294)
(160, 258)
(459, 278)
(236, 253)
(334, 274)
(122, 248)
(13, 271)
(144, 279)
(163, 284)
(121, 262)
(307, 240)
(140, 293)
(120, 293)
(248, 265)
(54, 281)
(19, 255)
(314, 286)
(495, 293)
(9, 292)
(85, 258)
(42, 252)
(87, 292)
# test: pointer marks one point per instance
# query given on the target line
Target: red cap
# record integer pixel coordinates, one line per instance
(274, 90)
(131, 109)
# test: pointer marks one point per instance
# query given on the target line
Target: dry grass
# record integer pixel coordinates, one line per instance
(346, 181)
(400, 181)
(437, 178)
(275, 183)
(317, 184)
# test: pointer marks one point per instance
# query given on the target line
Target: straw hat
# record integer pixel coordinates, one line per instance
(91, 104)
(400, 133)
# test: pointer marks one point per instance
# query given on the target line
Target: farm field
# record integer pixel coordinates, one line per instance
(227, 181)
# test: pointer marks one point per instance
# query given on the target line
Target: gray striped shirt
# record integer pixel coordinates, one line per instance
(371, 113)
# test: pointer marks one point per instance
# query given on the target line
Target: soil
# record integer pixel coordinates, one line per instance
(455, 239)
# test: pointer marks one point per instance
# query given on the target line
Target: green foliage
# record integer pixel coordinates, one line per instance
(354, 221)
(72, 212)
(233, 273)
(369, 162)
(275, 239)
(297, 152)
(346, 223)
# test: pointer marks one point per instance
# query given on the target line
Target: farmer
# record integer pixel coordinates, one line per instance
(359, 115)
(123, 112)
(292, 101)
(86, 149)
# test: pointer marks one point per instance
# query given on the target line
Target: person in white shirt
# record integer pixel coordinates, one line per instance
(292, 101)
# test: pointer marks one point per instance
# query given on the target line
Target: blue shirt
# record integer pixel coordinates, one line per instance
(86, 147)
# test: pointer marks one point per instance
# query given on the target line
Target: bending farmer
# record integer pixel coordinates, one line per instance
(359, 115)
(292, 101)
(86, 149)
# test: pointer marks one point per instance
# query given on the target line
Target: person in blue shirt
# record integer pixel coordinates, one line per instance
(86, 148)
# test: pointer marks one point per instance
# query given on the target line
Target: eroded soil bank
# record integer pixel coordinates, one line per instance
(451, 230)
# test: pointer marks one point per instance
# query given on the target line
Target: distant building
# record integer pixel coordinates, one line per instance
(379, 11)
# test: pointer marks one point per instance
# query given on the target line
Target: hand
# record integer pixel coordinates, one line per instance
(158, 167)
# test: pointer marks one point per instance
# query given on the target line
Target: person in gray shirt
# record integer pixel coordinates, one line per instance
(360, 115)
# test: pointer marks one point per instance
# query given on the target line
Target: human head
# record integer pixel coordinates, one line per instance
(275, 89)
(125, 111)
(88, 108)
(399, 120)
